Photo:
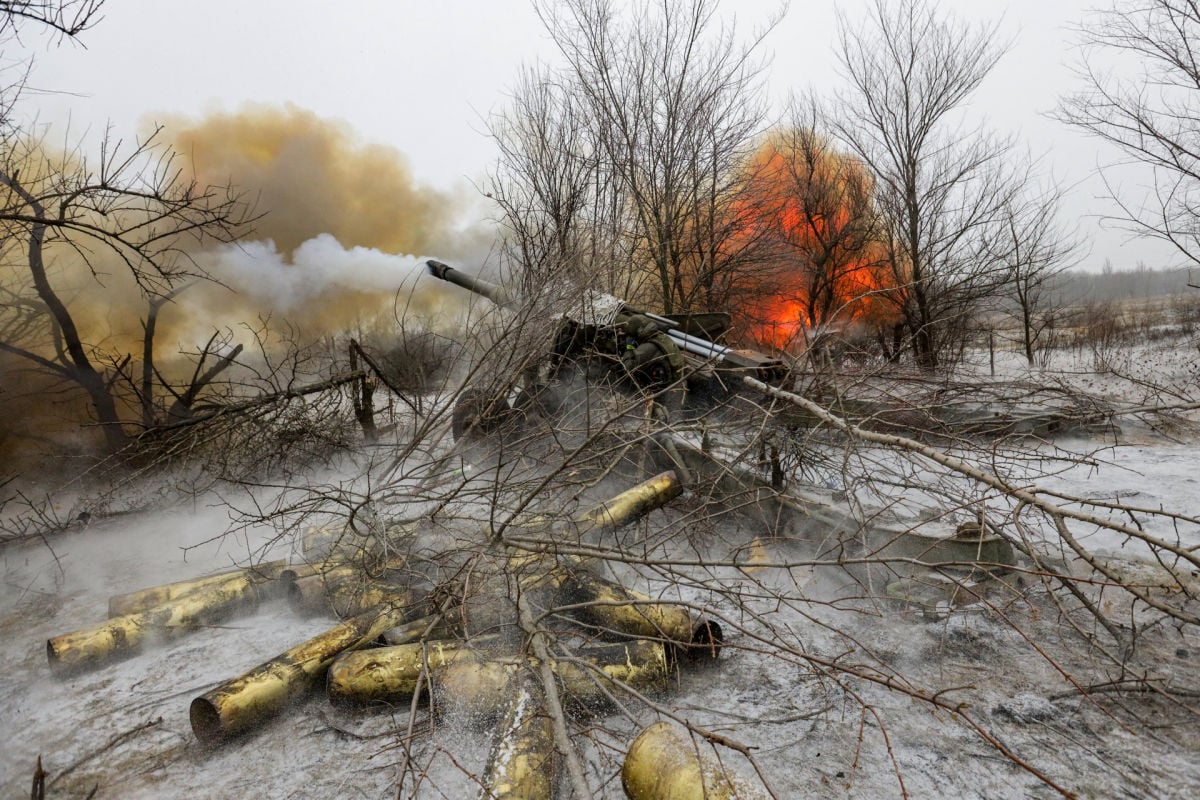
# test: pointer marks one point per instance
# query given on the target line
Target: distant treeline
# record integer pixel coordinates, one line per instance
(1075, 287)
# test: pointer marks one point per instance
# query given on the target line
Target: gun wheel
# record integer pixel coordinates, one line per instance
(657, 374)
(478, 411)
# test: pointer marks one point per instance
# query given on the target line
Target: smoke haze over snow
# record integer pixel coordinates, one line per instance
(329, 210)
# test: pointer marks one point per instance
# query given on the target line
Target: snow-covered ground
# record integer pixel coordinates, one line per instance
(811, 684)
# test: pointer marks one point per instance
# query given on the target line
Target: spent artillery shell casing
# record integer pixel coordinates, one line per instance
(663, 763)
(131, 602)
(240, 704)
(523, 763)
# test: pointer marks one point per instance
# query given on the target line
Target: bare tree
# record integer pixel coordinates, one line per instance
(818, 596)
(1152, 115)
(563, 213)
(134, 209)
(666, 101)
(1036, 250)
(940, 185)
(812, 585)
(65, 215)
(64, 18)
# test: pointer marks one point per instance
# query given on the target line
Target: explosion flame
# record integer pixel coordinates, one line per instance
(810, 210)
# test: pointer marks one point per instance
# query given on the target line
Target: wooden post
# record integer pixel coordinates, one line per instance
(364, 397)
(992, 350)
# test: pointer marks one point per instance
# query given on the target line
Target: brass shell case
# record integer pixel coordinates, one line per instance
(120, 636)
(663, 764)
(244, 702)
(131, 602)
(523, 763)
(615, 608)
(389, 674)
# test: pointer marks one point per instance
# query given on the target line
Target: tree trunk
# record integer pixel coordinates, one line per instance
(1027, 324)
(80, 366)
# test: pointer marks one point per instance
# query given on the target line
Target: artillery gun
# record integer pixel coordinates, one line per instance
(673, 358)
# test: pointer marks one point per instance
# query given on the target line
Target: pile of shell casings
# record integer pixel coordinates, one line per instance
(396, 642)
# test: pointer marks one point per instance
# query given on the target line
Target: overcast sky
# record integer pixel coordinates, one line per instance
(421, 76)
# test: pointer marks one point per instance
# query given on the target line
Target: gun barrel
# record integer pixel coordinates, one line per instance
(497, 294)
(767, 368)
(697, 346)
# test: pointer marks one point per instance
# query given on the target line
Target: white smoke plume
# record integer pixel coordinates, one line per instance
(323, 279)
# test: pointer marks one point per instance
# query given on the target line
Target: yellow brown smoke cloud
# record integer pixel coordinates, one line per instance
(312, 175)
(343, 222)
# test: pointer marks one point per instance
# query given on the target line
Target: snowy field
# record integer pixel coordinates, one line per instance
(833, 698)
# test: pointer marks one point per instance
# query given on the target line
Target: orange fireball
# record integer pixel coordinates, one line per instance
(808, 208)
